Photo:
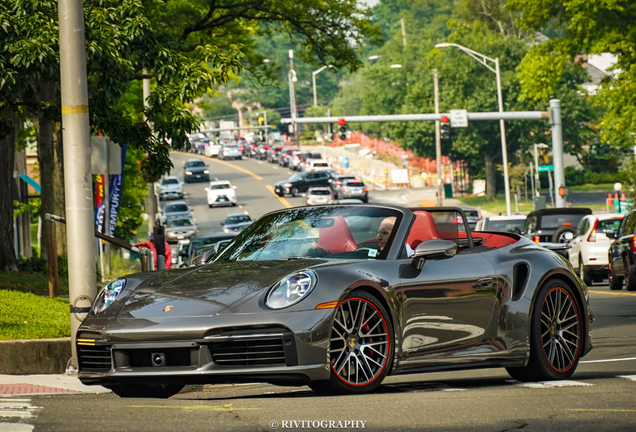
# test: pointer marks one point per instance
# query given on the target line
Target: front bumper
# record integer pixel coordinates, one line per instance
(175, 237)
(266, 350)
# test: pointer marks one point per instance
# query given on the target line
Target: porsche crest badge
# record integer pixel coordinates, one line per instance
(168, 308)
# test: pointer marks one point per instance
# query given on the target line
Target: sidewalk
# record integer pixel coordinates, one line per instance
(44, 384)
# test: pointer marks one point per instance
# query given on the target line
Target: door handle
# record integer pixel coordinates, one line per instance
(485, 282)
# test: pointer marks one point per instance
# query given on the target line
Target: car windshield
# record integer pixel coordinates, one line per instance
(515, 225)
(170, 181)
(557, 221)
(471, 213)
(220, 186)
(320, 192)
(195, 164)
(608, 225)
(179, 223)
(296, 177)
(237, 219)
(173, 208)
(342, 232)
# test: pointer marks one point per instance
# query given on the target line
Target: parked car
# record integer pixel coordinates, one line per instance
(176, 210)
(221, 192)
(622, 254)
(330, 297)
(230, 152)
(512, 223)
(179, 229)
(555, 225)
(354, 189)
(319, 195)
(170, 187)
(316, 165)
(301, 182)
(590, 246)
(195, 170)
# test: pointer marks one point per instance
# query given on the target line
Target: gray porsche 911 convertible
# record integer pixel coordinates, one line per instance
(338, 297)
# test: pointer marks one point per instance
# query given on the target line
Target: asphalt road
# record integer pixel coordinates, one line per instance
(600, 396)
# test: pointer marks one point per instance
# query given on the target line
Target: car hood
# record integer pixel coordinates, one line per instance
(176, 215)
(170, 187)
(207, 290)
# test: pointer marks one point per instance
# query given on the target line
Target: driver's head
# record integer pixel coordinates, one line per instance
(384, 231)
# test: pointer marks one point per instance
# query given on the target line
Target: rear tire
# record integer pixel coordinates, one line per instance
(146, 391)
(294, 192)
(556, 335)
(361, 347)
(585, 277)
(558, 236)
(630, 278)
(615, 282)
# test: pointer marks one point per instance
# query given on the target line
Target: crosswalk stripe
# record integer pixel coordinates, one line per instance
(16, 427)
(629, 377)
(555, 384)
(20, 408)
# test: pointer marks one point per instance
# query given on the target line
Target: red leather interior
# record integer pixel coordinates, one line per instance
(423, 229)
(337, 238)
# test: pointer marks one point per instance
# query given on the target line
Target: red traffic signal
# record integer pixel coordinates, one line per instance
(444, 119)
(341, 122)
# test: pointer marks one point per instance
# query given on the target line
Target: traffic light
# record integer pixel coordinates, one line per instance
(445, 127)
(342, 129)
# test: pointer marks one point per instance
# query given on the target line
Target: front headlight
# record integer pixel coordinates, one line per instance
(291, 289)
(189, 172)
(108, 295)
(206, 171)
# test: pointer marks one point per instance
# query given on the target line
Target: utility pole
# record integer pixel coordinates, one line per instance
(557, 152)
(77, 167)
(292, 95)
(438, 142)
(151, 198)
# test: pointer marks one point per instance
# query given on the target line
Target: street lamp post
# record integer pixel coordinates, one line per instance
(504, 148)
(313, 80)
(292, 95)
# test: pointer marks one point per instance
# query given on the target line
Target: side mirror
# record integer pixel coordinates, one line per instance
(610, 234)
(233, 187)
(433, 249)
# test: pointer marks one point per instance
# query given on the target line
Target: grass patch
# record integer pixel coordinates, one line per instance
(35, 283)
(589, 187)
(29, 316)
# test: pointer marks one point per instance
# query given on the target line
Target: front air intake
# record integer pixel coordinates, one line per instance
(261, 350)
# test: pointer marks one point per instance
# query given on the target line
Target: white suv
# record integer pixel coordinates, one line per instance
(590, 246)
(221, 192)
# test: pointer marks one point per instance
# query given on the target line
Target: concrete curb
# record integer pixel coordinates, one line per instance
(34, 356)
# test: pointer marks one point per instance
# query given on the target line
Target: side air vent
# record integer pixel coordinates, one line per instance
(93, 358)
(519, 280)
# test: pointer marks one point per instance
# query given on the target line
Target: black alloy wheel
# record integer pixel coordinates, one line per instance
(361, 346)
(145, 391)
(615, 282)
(556, 335)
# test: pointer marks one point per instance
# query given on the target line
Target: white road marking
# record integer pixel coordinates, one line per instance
(15, 407)
(16, 427)
(555, 384)
(629, 377)
(608, 360)
(275, 167)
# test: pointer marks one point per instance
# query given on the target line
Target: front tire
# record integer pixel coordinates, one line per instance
(361, 347)
(146, 391)
(556, 335)
(630, 278)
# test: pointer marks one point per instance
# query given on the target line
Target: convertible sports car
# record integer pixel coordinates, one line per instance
(338, 297)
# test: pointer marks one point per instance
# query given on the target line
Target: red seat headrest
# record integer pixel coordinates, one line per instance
(423, 229)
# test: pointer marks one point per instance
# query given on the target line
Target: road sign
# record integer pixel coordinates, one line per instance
(459, 118)
(545, 168)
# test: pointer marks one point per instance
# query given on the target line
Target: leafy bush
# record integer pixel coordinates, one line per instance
(28, 316)
(599, 178)
(574, 177)
(39, 265)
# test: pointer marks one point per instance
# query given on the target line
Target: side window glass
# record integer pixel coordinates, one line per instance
(631, 223)
(582, 228)
(531, 224)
